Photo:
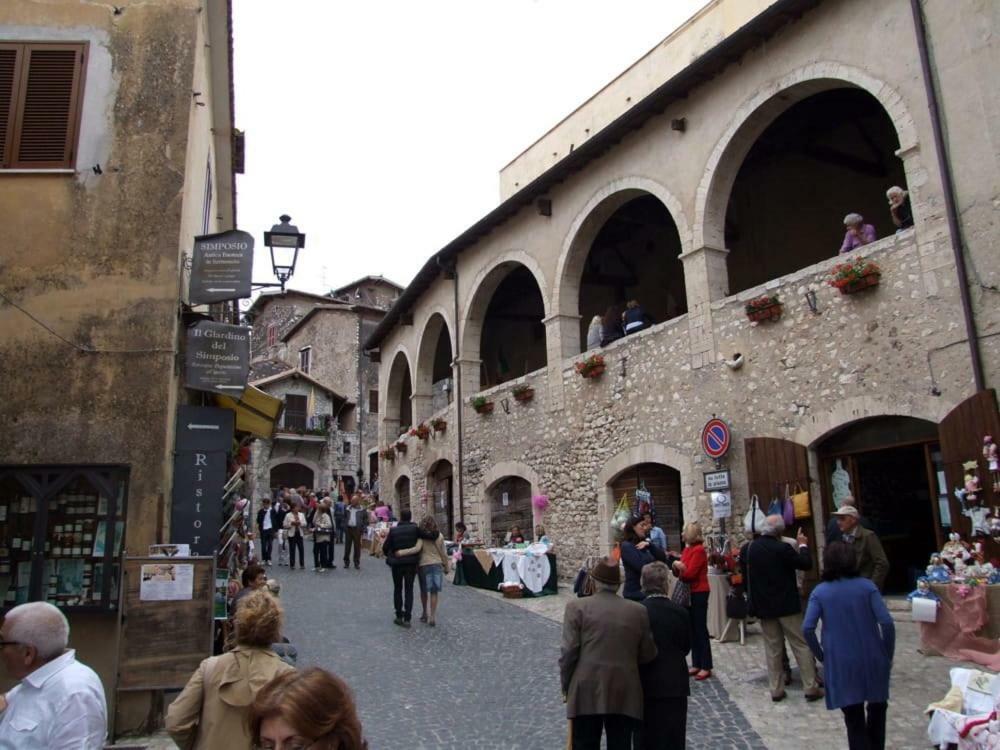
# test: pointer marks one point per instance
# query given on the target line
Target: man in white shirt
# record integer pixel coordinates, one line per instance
(59, 703)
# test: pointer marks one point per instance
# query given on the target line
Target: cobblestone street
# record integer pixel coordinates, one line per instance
(485, 677)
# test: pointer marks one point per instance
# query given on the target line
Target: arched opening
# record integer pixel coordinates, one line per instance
(398, 399)
(830, 154)
(634, 256)
(434, 384)
(402, 489)
(510, 505)
(663, 483)
(440, 494)
(892, 467)
(513, 335)
(292, 475)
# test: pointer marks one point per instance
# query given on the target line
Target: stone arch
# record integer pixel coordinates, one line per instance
(655, 453)
(273, 463)
(818, 426)
(492, 478)
(483, 287)
(399, 379)
(423, 376)
(760, 110)
(588, 222)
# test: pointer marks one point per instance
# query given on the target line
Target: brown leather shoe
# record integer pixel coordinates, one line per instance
(814, 696)
(779, 697)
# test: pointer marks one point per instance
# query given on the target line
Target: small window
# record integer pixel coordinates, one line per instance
(41, 89)
(272, 334)
(295, 412)
(305, 357)
(373, 402)
(347, 449)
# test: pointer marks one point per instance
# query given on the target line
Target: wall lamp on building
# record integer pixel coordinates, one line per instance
(284, 241)
(811, 301)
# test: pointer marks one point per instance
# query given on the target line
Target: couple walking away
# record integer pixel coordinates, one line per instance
(412, 551)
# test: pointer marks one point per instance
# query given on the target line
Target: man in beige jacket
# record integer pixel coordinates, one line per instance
(605, 639)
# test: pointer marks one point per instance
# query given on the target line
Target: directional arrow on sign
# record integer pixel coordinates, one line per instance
(202, 426)
(231, 387)
(215, 289)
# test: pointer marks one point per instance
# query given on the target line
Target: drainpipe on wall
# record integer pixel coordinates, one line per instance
(361, 406)
(951, 211)
(452, 269)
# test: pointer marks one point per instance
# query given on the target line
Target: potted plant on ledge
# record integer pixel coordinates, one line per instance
(855, 276)
(592, 367)
(439, 424)
(482, 405)
(388, 454)
(421, 431)
(523, 392)
(400, 446)
(765, 307)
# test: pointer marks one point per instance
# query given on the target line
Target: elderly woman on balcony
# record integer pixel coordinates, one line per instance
(858, 233)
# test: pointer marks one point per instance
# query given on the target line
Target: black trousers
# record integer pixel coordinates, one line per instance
(701, 642)
(402, 590)
(353, 539)
(266, 541)
(323, 554)
(865, 733)
(296, 543)
(665, 725)
(620, 730)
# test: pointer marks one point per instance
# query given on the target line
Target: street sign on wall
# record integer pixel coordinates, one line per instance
(221, 267)
(217, 358)
(715, 438)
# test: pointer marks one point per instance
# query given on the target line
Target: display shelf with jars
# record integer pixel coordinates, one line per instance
(62, 531)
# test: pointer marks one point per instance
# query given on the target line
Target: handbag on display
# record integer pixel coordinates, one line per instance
(736, 604)
(681, 594)
(788, 510)
(776, 508)
(754, 518)
(800, 502)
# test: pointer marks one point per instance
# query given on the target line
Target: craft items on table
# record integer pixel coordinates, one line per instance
(530, 568)
(992, 455)
(924, 603)
(967, 715)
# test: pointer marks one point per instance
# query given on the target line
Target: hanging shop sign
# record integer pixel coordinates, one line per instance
(715, 438)
(204, 428)
(217, 358)
(718, 481)
(196, 510)
(221, 267)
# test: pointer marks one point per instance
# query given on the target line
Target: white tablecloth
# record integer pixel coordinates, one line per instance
(525, 566)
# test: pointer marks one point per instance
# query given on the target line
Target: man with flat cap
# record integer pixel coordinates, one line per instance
(605, 639)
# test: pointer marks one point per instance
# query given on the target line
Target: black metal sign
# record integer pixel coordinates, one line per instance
(218, 358)
(221, 267)
(196, 511)
(204, 428)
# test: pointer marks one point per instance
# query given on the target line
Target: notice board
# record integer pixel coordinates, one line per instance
(163, 642)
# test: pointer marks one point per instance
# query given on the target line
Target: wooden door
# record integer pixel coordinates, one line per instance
(774, 463)
(962, 432)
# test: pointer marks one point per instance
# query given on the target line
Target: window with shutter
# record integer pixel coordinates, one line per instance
(41, 89)
(295, 412)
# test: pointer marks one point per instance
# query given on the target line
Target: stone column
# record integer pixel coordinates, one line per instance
(562, 342)
(706, 279)
(421, 406)
(469, 372)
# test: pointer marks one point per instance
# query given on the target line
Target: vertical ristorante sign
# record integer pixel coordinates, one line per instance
(221, 267)
(217, 358)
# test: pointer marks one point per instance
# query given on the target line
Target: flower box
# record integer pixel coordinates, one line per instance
(421, 431)
(592, 367)
(481, 405)
(388, 454)
(765, 307)
(523, 393)
(400, 447)
(865, 282)
(856, 276)
(439, 424)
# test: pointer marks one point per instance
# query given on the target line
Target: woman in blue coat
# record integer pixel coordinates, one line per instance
(636, 552)
(859, 640)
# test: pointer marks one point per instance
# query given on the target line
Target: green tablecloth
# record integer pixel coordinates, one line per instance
(470, 573)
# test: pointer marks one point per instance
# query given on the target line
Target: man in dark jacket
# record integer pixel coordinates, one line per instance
(268, 526)
(833, 532)
(872, 561)
(769, 565)
(665, 681)
(404, 568)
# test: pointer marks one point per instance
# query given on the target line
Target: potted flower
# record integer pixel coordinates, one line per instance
(421, 431)
(854, 276)
(592, 367)
(388, 454)
(438, 424)
(482, 405)
(523, 392)
(400, 446)
(765, 307)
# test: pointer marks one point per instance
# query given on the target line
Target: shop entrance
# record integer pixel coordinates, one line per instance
(664, 485)
(510, 505)
(292, 475)
(403, 494)
(891, 466)
(440, 499)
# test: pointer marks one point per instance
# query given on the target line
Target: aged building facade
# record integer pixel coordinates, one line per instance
(116, 149)
(714, 171)
(307, 351)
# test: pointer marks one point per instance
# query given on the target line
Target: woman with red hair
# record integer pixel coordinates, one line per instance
(308, 709)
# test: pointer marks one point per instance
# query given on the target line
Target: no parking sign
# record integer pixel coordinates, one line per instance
(715, 438)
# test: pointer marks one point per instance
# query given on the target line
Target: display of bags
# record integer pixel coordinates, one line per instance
(621, 515)
(800, 502)
(754, 519)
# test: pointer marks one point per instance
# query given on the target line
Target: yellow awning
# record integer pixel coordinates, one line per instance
(256, 411)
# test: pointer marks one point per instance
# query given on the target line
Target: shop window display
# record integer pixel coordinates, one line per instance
(62, 531)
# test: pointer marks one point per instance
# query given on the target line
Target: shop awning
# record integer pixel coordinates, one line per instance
(256, 411)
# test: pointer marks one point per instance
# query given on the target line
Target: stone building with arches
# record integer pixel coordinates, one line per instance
(717, 169)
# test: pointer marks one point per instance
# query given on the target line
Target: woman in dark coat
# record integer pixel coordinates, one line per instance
(636, 551)
(665, 684)
(859, 640)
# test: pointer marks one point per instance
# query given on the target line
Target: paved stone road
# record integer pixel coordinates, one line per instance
(485, 677)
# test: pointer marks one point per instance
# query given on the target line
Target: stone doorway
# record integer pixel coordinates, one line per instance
(664, 485)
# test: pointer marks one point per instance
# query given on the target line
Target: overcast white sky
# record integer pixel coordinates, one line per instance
(381, 127)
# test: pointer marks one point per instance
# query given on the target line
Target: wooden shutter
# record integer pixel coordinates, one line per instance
(961, 437)
(10, 65)
(295, 412)
(47, 106)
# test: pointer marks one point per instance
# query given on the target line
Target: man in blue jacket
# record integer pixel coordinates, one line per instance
(404, 568)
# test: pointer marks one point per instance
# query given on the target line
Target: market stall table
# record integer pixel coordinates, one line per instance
(720, 626)
(479, 569)
(967, 627)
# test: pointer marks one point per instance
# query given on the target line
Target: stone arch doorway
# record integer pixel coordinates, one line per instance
(292, 475)
(891, 466)
(504, 327)
(664, 485)
(440, 496)
(433, 378)
(398, 399)
(509, 501)
(402, 490)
